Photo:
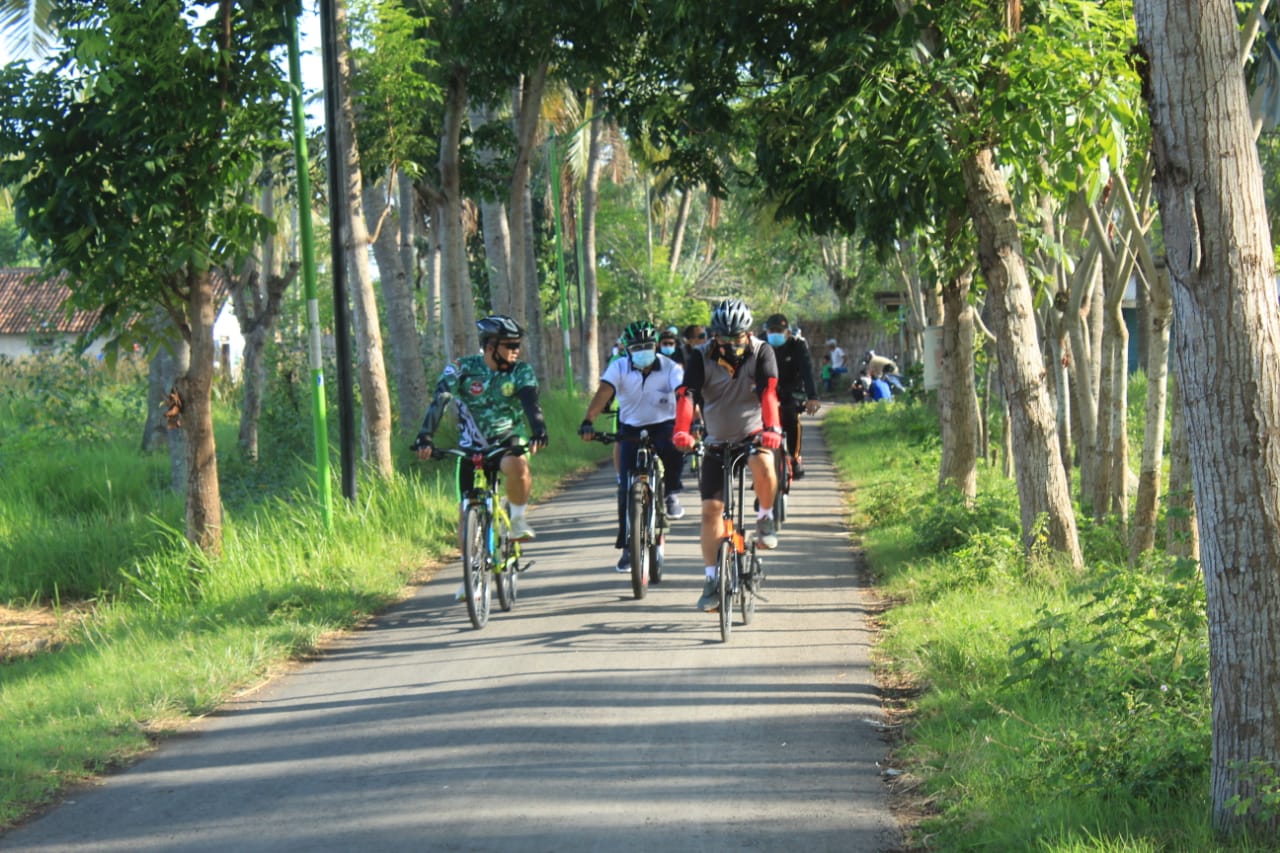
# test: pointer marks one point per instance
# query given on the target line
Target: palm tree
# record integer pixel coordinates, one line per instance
(25, 27)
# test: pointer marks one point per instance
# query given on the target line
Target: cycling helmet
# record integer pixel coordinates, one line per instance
(499, 326)
(730, 317)
(776, 323)
(639, 332)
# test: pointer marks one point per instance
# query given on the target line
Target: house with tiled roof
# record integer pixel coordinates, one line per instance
(33, 316)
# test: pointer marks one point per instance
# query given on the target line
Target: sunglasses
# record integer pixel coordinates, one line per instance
(510, 346)
(701, 337)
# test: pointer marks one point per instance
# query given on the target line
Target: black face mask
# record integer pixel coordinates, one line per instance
(732, 354)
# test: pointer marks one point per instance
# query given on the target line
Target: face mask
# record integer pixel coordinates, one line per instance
(777, 339)
(643, 358)
(733, 353)
(668, 350)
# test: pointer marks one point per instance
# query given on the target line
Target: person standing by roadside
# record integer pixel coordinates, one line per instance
(839, 363)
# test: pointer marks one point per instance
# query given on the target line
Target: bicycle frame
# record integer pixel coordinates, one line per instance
(643, 516)
(487, 548)
(739, 569)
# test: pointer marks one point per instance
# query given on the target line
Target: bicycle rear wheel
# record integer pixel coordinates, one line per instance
(639, 508)
(475, 563)
(656, 557)
(507, 570)
(724, 579)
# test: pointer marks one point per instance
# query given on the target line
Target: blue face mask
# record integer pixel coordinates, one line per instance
(777, 339)
(643, 358)
(668, 350)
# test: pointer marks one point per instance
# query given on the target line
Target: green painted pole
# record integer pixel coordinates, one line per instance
(307, 239)
(564, 296)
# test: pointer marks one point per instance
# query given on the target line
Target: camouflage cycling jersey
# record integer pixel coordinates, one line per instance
(489, 407)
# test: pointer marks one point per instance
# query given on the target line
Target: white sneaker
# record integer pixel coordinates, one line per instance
(461, 594)
(520, 529)
(674, 510)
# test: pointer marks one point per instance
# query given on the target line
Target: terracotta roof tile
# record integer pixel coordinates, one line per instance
(29, 305)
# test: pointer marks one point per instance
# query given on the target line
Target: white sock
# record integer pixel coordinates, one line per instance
(517, 511)
(711, 571)
(765, 513)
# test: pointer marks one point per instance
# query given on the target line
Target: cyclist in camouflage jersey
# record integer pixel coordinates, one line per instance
(497, 399)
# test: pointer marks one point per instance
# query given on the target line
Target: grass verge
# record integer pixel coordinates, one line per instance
(170, 635)
(1044, 709)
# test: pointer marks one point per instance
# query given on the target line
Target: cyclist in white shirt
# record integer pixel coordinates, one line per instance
(645, 384)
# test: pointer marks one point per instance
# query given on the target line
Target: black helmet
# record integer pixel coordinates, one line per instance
(730, 317)
(499, 326)
(777, 323)
(639, 332)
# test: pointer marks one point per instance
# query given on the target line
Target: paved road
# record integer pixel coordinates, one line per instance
(583, 720)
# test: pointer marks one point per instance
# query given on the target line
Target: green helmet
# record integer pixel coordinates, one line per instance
(639, 332)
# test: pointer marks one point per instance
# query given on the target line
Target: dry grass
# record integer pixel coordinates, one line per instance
(27, 631)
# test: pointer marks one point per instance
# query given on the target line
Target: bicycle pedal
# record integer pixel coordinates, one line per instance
(761, 597)
(524, 567)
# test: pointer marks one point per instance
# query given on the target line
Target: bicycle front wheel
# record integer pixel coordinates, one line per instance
(724, 579)
(475, 563)
(783, 467)
(750, 584)
(639, 507)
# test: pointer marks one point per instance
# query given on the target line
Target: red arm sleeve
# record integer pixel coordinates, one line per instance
(684, 410)
(768, 405)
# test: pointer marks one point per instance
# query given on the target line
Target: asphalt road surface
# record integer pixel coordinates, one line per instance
(582, 720)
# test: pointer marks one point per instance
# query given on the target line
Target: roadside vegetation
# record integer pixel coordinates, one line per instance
(1034, 707)
(147, 631)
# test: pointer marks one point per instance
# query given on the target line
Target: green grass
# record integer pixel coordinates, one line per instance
(1050, 710)
(173, 634)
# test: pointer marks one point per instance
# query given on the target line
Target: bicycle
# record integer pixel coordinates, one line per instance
(740, 572)
(645, 517)
(487, 547)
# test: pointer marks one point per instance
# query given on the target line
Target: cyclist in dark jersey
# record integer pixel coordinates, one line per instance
(735, 379)
(796, 388)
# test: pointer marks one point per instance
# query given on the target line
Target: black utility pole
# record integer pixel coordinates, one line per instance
(341, 306)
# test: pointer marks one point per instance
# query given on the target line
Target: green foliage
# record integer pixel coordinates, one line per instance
(946, 521)
(174, 632)
(16, 248)
(1054, 711)
(132, 162)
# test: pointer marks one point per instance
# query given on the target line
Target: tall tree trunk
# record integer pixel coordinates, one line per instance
(204, 496)
(1043, 488)
(497, 230)
(1227, 334)
(527, 105)
(375, 396)
(1142, 534)
(533, 293)
(591, 291)
(257, 296)
(957, 397)
(459, 303)
(170, 361)
(397, 295)
(1181, 529)
(677, 233)
(435, 314)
